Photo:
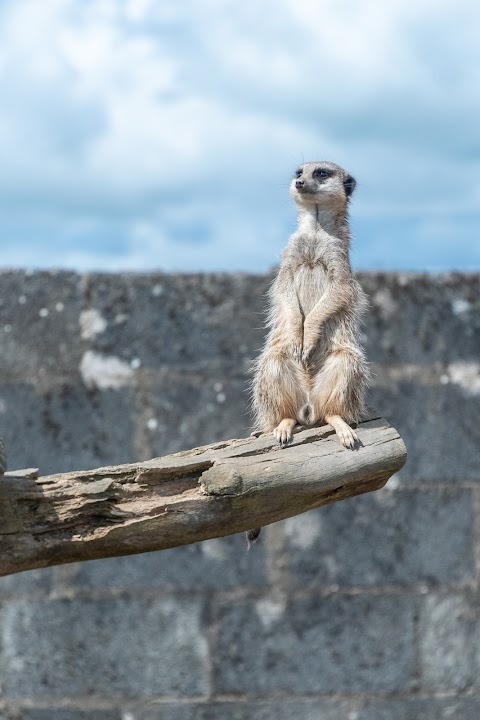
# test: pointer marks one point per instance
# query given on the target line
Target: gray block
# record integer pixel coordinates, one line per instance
(120, 647)
(27, 583)
(287, 709)
(222, 564)
(189, 409)
(66, 427)
(385, 538)
(192, 320)
(39, 322)
(449, 631)
(432, 708)
(422, 319)
(439, 424)
(314, 645)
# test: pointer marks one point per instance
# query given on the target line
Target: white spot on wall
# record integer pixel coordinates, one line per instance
(382, 497)
(460, 305)
(218, 387)
(120, 318)
(214, 549)
(22, 299)
(269, 611)
(386, 304)
(221, 397)
(7, 328)
(393, 483)
(152, 424)
(157, 290)
(331, 567)
(466, 375)
(303, 530)
(135, 363)
(103, 371)
(59, 307)
(91, 323)
(43, 312)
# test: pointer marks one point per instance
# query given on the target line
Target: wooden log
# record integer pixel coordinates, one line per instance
(206, 492)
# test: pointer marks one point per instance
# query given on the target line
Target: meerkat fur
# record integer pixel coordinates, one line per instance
(312, 367)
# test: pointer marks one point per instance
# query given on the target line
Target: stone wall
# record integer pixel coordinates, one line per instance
(364, 610)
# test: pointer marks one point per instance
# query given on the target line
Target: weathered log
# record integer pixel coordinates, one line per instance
(206, 492)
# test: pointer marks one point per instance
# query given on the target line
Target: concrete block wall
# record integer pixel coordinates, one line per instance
(368, 609)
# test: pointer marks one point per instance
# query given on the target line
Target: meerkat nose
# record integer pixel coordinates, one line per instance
(299, 183)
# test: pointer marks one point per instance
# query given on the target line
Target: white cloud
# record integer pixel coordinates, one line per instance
(148, 121)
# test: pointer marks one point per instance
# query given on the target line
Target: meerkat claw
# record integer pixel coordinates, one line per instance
(349, 439)
(281, 436)
(283, 433)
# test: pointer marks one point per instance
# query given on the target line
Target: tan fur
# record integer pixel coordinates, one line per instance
(312, 367)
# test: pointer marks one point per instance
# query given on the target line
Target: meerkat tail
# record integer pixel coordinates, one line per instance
(252, 536)
(306, 415)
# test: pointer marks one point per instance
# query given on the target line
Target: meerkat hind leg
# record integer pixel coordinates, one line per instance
(346, 435)
(283, 433)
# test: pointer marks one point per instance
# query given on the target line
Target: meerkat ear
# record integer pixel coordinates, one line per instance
(349, 184)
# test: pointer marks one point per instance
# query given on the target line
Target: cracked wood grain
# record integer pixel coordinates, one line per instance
(206, 492)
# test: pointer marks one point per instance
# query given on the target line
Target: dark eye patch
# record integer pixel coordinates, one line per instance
(298, 172)
(321, 174)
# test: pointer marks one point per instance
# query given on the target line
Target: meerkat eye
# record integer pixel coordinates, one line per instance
(298, 172)
(321, 173)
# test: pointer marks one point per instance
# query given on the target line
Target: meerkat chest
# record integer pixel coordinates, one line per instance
(311, 281)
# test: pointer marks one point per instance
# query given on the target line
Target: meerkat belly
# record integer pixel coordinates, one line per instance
(310, 284)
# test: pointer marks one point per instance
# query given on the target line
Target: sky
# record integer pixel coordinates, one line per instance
(146, 135)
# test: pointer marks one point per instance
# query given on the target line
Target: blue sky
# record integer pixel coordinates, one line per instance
(138, 135)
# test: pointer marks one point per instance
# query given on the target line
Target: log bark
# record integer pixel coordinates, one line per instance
(206, 492)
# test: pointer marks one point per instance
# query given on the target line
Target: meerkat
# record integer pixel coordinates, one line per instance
(312, 367)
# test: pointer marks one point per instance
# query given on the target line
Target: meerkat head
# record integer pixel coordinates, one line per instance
(321, 183)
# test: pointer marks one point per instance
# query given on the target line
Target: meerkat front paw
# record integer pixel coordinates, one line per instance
(346, 435)
(307, 353)
(296, 351)
(310, 339)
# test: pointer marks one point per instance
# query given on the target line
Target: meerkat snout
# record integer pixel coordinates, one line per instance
(349, 184)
